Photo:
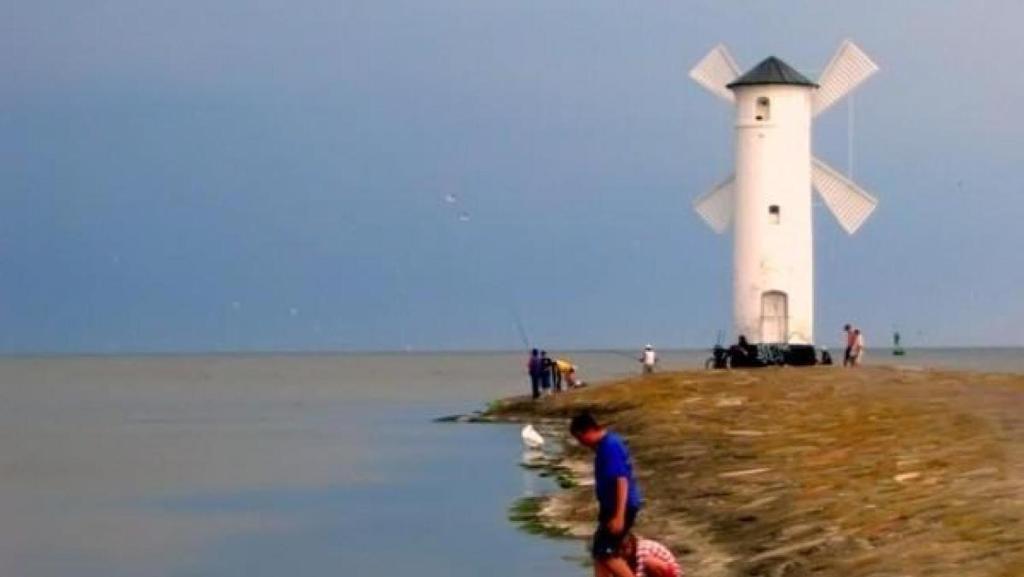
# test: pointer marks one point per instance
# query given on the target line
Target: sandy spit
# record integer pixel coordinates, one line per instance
(872, 472)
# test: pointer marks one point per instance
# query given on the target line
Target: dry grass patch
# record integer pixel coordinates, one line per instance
(820, 471)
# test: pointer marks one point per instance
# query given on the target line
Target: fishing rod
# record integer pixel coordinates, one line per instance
(521, 328)
(627, 355)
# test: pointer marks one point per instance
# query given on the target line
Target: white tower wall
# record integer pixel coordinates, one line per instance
(773, 253)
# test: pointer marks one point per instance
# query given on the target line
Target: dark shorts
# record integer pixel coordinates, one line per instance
(606, 544)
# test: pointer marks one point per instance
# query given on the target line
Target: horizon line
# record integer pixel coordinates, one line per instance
(409, 351)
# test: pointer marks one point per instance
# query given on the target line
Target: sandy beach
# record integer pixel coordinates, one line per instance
(879, 472)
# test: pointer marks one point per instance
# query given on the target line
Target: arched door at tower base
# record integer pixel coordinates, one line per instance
(774, 317)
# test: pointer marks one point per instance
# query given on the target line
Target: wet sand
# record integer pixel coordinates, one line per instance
(874, 472)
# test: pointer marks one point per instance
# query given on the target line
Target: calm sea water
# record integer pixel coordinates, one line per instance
(290, 465)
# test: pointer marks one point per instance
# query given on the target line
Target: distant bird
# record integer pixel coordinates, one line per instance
(531, 438)
(451, 198)
(463, 217)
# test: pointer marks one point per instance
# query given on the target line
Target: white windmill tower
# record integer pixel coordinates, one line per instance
(768, 199)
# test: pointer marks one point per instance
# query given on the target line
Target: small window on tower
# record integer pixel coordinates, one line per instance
(774, 214)
(764, 111)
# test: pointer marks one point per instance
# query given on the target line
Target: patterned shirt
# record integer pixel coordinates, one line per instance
(646, 549)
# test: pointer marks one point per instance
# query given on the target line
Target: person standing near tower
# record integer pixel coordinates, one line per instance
(851, 339)
(857, 353)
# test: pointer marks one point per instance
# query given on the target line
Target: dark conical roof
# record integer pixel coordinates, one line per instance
(771, 70)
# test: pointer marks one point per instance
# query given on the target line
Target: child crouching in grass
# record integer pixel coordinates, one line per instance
(649, 558)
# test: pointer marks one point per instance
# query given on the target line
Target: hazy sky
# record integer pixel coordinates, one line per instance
(255, 175)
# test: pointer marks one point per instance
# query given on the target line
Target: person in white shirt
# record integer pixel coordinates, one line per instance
(648, 358)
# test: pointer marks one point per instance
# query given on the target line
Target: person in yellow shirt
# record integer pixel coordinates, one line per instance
(566, 372)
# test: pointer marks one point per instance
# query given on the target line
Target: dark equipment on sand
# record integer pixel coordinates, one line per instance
(745, 355)
(719, 358)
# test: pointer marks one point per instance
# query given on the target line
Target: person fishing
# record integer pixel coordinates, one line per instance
(648, 358)
(533, 368)
(546, 371)
(618, 495)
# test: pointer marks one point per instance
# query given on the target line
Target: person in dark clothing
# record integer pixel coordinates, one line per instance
(618, 495)
(851, 338)
(533, 367)
(547, 367)
(739, 354)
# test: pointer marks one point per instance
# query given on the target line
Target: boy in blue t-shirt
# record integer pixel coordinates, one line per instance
(618, 496)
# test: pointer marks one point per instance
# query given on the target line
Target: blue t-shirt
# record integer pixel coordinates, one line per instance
(611, 461)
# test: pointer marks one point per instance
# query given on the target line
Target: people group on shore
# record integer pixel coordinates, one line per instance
(551, 375)
(615, 549)
(854, 354)
(548, 375)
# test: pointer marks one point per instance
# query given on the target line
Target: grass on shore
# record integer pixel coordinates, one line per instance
(822, 471)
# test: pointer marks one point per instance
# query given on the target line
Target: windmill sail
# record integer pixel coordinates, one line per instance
(715, 71)
(850, 204)
(716, 207)
(848, 68)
